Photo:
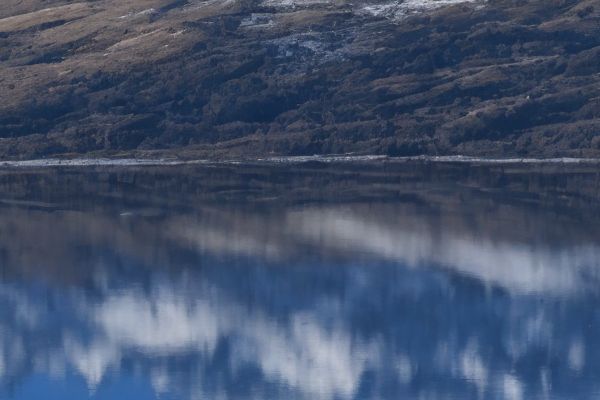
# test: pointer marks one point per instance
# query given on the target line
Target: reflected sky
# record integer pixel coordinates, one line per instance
(390, 285)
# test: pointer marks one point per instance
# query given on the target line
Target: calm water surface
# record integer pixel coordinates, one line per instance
(311, 281)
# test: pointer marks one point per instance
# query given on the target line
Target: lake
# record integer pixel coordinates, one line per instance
(308, 280)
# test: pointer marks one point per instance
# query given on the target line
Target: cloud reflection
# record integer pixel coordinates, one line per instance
(324, 301)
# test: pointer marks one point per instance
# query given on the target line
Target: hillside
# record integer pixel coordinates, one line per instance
(246, 78)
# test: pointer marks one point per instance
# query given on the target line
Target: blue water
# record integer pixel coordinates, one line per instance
(433, 290)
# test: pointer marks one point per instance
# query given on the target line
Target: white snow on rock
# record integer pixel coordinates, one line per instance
(394, 10)
(287, 4)
(400, 9)
(257, 20)
(149, 11)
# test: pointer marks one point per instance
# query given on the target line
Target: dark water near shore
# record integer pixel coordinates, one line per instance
(311, 281)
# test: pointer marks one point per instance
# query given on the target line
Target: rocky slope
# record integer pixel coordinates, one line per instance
(244, 78)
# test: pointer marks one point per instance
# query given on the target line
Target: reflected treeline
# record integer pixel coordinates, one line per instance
(313, 281)
(550, 184)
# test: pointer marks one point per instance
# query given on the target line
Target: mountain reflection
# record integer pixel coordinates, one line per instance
(455, 293)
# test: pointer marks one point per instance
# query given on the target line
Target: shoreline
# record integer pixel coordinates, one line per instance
(337, 159)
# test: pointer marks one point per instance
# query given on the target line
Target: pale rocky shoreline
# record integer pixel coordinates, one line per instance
(336, 159)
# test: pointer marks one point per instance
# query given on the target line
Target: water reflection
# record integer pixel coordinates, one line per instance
(455, 293)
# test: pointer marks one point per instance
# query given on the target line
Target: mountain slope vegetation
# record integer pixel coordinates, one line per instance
(249, 78)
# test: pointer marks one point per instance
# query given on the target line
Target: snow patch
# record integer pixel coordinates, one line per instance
(149, 11)
(399, 10)
(292, 4)
(257, 20)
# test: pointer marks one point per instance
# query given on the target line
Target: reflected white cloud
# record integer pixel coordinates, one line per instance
(405, 369)
(576, 355)
(161, 324)
(317, 361)
(92, 360)
(314, 357)
(410, 240)
(473, 367)
(2, 362)
(325, 337)
(515, 267)
(221, 240)
(513, 389)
